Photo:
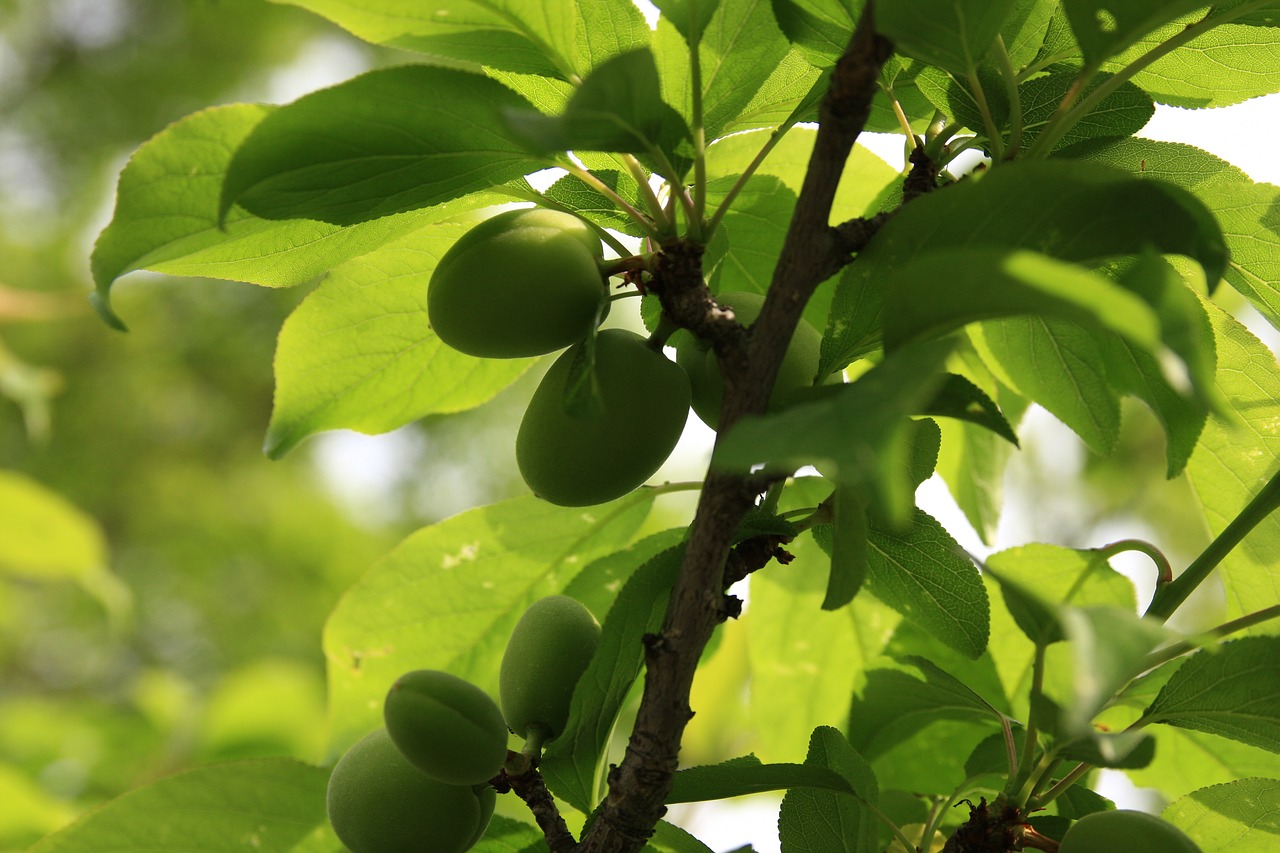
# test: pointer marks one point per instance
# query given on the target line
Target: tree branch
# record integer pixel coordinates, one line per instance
(749, 363)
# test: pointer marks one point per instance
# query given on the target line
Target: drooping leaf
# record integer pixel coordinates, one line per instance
(902, 698)
(618, 107)
(1059, 365)
(1239, 815)
(571, 762)
(991, 284)
(166, 216)
(959, 398)
(515, 35)
(669, 838)
(274, 805)
(388, 141)
(818, 821)
(1066, 210)
(1232, 691)
(922, 573)
(951, 34)
(448, 596)
(849, 548)
(359, 353)
(1105, 27)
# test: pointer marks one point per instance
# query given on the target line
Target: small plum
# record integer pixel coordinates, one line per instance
(446, 726)
(522, 283)
(549, 649)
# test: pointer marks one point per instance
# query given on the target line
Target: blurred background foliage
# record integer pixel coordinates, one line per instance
(195, 637)
(203, 641)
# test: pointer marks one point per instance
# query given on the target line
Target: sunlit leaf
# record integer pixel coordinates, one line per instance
(271, 805)
(388, 141)
(359, 353)
(1231, 691)
(516, 35)
(818, 821)
(1240, 815)
(448, 597)
(166, 215)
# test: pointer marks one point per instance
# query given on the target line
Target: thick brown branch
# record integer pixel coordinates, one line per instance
(749, 363)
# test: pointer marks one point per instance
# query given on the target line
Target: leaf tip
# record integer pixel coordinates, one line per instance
(101, 303)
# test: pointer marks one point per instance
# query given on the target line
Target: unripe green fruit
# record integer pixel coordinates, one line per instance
(548, 651)
(522, 283)
(446, 726)
(1125, 831)
(380, 803)
(797, 370)
(582, 460)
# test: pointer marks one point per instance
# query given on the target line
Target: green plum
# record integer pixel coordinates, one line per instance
(446, 726)
(1125, 831)
(549, 650)
(579, 460)
(380, 803)
(522, 283)
(799, 364)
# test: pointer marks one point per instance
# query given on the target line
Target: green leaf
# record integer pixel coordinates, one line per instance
(741, 50)
(690, 17)
(853, 432)
(959, 398)
(755, 227)
(571, 763)
(1059, 365)
(819, 28)
(955, 97)
(1035, 578)
(951, 34)
(741, 776)
(1172, 162)
(1066, 210)
(618, 107)
(274, 805)
(1124, 750)
(1188, 760)
(572, 193)
(359, 354)
(849, 548)
(1122, 113)
(820, 821)
(1226, 65)
(989, 284)
(902, 698)
(516, 35)
(166, 216)
(1247, 213)
(1237, 453)
(669, 838)
(1240, 815)
(1104, 27)
(788, 95)
(504, 835)
(922, 573)
(448, 596)
(606, 28)
(1232, 691)
(388, 141)
(1109, 647)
